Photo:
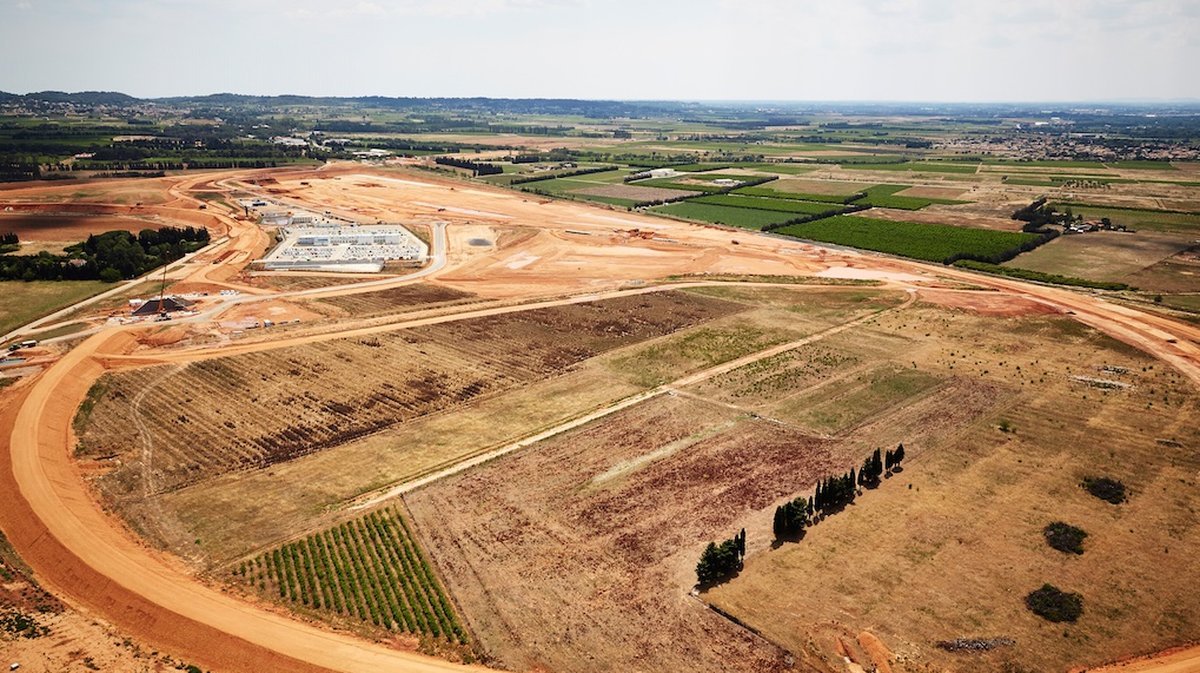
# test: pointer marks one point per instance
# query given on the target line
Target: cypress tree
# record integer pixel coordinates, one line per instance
(899, 455)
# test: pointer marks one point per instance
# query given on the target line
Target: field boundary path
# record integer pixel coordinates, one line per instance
(665, 389)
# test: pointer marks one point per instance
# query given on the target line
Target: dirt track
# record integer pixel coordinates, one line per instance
(78, 551)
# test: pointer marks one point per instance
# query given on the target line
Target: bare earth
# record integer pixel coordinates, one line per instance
(613, 511)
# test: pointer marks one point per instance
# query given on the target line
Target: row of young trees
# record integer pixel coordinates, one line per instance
(477, 168)
(369, 569)
(834, 493)
(719, 561)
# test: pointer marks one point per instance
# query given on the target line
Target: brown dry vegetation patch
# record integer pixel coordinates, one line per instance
(926, 192)
(1116, 256)
(292, 282)
(69, 227)
(253, 410)
(957, 216)
(987, 303)
(396, 299)
(577, 554)
(947, 548)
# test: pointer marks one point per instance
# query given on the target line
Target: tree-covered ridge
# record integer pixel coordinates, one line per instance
(110, 256)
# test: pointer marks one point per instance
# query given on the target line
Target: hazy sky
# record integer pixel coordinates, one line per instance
(928, 50)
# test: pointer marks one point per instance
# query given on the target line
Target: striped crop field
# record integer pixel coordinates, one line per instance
(765, 203)
(368, 569)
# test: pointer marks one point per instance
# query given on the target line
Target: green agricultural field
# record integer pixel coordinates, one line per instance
(930, 242)
(762, 203)
(916, 166)
(746, 218)
(1049, 163)
(883, 196)
(22, 302)
(1142, 165)
(767, 192)
(1134, 218)
(566, 187)
(784, 168)
(368, 570)
(697, 167)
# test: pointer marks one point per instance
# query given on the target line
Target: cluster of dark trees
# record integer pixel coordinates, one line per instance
(834, 493)
(158, 166)
(10, 239)
(18, 170)
(874, 466)
(1039, 214)
(1042, 238)
(476, 167)
(110, 256)
(1054, 604)
(719, 561)
(791, 518)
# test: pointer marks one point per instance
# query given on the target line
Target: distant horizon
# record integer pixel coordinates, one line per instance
(934, 51)
(721, 101)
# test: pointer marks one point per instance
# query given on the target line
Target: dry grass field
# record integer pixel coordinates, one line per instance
(1112, 256)
(395, 300)
(949, 547)
(252, 411)
(575, 555)
(236, 513)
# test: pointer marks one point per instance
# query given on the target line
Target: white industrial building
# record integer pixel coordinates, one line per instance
(354, 248)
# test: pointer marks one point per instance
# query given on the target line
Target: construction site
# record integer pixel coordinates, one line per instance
(595, 394)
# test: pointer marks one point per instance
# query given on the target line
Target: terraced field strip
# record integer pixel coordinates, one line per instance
(369, 569)
(772, 193)
(746, 218)
(764, 203)
(253, 410)
(884, 196)
(670, 388)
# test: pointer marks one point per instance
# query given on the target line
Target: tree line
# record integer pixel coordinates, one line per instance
(834, 493)
(564, 174)
(477, 168)
(719, 561)
(109, 257)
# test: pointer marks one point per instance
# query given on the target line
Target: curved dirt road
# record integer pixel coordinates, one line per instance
(75, 549)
